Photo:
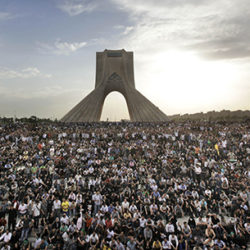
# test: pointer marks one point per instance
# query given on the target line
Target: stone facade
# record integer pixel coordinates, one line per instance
(115, 72)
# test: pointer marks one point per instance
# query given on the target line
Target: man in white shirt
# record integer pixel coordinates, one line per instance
(104, 209)
(5, 237)
(153, 209)
(38, 241)
(174, 240)
(166, 244)
(93, 239)
(65, 219)
(208, 193)
(72, 227)
(22, 208)
(97, 198)
(72, 196)
(132, 208)
(221, 244)
(142, 222)
(223, 178)
(36, 207)
(79, 198)
(125, 205)
(169, 227)
(197, 171)
(57, 207)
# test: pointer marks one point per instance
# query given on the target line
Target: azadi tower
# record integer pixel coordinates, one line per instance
(115, 72)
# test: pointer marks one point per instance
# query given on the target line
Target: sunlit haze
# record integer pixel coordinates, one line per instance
(189, 56)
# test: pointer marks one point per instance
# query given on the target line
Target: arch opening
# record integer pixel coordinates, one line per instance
(115, 107)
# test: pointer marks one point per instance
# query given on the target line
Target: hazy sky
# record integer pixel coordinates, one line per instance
(189, 55)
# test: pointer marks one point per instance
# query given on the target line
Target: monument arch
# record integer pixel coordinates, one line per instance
(111, 111)
(115, 72)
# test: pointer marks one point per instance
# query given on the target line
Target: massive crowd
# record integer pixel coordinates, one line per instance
(124, 186)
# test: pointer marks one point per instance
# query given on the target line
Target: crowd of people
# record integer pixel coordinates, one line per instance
(124, 186)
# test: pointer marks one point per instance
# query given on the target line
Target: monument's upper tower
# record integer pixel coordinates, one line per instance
(115, 72)
(115, 61)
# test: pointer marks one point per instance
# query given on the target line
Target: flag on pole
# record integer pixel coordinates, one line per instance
(217, 148)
